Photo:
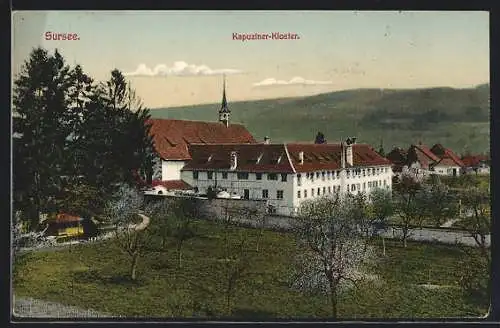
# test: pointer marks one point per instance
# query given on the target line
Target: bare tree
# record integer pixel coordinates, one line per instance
(124, 212)
(410, 206)
(380, 209)
(235, 261)
(477, 221)
(442, 205)
(183, 213)
(333, 249)
(163, 215)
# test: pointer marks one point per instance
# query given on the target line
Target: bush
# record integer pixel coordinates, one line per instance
(475, 278)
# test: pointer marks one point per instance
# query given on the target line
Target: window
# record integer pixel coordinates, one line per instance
(283, 177)
(385, 183)
(353, 187)
(348, 187)
(386, 170)
(272, 176)
(323, 176)
(305, 193)
(242, 175)
(319, 192)
(299, 180)
(348, 174)
(258, 176)
(298, 193)
(369, 172)
(279, 194)
(338, 174)
(195, 175)
(324, 190)
(210, 175)
(329, 189)
(369, 184)
(317, 175)
(338, 188)
(246, 194)
(328, 175)
(364, 185)
(364, 172)
(358, 186)
(224, 175)
(265, 193)
(312, 192)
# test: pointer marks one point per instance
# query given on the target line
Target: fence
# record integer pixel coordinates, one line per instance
(33, 308)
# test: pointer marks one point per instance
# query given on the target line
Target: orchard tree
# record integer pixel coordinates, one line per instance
(124, 212)
(410, 206)
(333, 249)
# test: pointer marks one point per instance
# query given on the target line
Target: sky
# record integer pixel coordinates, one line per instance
(178, 58)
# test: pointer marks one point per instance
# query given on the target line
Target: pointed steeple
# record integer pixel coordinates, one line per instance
(224, 109)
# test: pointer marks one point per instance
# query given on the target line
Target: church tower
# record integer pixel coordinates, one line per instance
(224, 110)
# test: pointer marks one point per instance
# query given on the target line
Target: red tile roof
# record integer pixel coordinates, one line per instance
(172, 137)
(473, 160)
(279, 158)
(328, 156)
(172, 184)
(421, 154)
(250, 157)
(447, 156)
(63, 217)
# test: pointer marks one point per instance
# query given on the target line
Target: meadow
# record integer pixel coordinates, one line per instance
(94, 276)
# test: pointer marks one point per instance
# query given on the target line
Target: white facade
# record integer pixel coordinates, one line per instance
(171, 170)
(447, 170)
(285, 192)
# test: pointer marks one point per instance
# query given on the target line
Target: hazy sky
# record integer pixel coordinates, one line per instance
(177, 57)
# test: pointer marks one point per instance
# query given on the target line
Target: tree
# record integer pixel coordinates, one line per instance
(40, 102)
(476, 205)
(332, 249)
(116, 135)
(185, 211)
(442, 205)
(320, 138)
(410, 206)
(236, 250)
(162, 215)
(124, 212)
(380, 209)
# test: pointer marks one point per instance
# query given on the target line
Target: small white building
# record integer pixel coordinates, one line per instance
(286, 174)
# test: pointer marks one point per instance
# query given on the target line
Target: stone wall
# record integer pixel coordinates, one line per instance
(251, 213)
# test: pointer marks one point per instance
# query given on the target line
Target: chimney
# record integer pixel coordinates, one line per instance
(301, 157)
(348, 151)
(233, 160)
(267, 140)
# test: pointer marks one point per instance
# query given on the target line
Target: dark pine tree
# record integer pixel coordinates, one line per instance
(40, 128)
(320, 138)
(118, 141)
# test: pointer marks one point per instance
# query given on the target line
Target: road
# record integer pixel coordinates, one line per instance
(424, 234)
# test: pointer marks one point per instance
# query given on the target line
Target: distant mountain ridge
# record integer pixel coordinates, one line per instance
(457, 118)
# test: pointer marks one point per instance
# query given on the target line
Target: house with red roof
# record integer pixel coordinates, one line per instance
(449, 163)
(286, 174)
(172, 139)
(478, 164)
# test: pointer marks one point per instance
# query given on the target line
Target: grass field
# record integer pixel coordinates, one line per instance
(93, 276)
(457, 118)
